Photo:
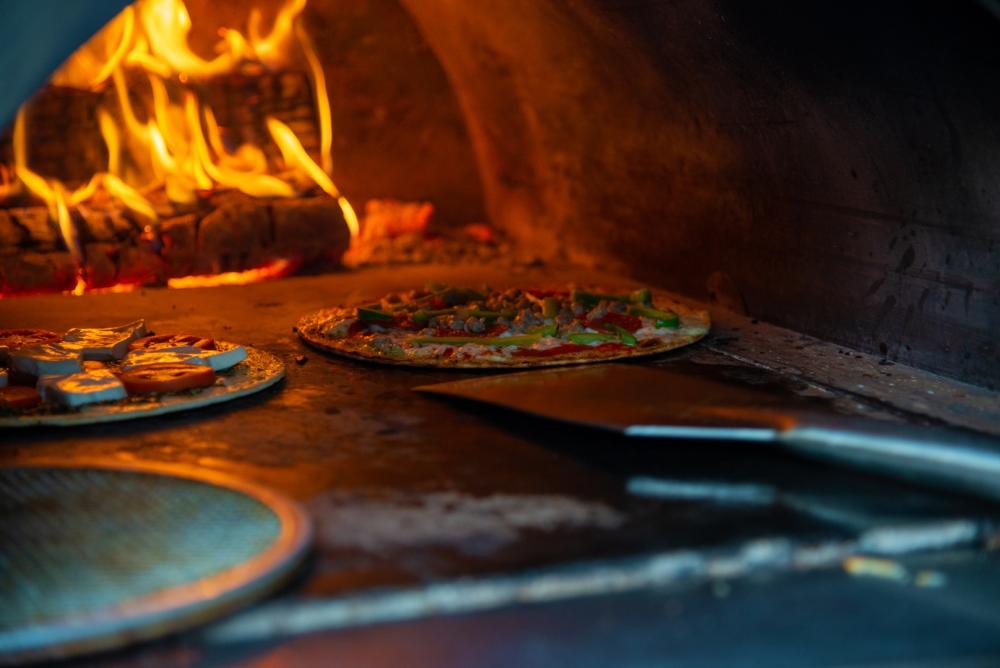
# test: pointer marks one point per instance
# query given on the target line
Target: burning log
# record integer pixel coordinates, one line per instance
(228, 232)
(233, 232)
(28, 272)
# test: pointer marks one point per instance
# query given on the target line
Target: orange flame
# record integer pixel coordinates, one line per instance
(166, 24)
(322, 100)
(167, 137)
(271, 50)
(296, 157)
(128, 28)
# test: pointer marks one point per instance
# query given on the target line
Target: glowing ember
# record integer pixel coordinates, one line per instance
(117, 287)
(164, 137)
(276, 269)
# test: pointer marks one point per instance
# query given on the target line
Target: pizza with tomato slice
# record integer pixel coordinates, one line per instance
(105, 374)
(447, 326)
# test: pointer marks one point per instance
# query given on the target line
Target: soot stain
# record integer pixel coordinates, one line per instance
(905, 262)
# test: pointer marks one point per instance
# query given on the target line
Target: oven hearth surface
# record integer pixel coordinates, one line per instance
(409, 492)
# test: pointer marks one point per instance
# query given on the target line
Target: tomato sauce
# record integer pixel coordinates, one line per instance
(627, 322)
(567, 348)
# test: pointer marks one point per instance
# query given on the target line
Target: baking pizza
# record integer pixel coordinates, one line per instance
(447, 326)
(106, 374)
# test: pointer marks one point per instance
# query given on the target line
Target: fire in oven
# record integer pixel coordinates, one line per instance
(430, 332)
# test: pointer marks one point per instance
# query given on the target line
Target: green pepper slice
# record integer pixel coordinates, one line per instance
(586, 338)
(663, 318)
(373, 315)
(624, 335)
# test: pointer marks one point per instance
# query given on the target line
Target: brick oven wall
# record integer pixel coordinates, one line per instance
(833, 168)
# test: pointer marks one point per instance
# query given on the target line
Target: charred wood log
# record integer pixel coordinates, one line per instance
(227, 232)
(231, 232)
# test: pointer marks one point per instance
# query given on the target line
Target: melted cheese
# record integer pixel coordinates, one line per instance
(104, 343)
(77, 389)
(45, 359)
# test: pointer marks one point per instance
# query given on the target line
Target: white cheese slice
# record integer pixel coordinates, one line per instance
(219, 360)
(45, 359)
(189, 355)
(104, 343)
(77, 389)
(3, 378)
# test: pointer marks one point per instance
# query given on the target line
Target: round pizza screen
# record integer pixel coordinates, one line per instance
(517, 327)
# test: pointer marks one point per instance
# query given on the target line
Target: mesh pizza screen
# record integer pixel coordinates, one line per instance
(81, 546)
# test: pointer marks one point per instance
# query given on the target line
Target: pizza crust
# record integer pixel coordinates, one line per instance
(257, 372)
(695, 324)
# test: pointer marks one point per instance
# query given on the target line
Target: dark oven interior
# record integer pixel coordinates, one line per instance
(825, 178)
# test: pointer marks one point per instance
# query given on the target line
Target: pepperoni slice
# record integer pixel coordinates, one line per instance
(166, 377)
(18, 338)
(172, 341)
(19, 397)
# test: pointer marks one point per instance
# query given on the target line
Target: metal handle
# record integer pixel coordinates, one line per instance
(951, 458)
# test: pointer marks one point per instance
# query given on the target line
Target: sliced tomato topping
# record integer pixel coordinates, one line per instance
(18, 338)
(172, 341)
(19, 397)
(166, 377)
(623, 320)
(566, 348)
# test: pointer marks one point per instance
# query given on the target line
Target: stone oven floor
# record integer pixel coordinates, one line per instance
(527, 534)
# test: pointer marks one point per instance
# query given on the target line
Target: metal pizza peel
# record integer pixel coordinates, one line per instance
(645, 402)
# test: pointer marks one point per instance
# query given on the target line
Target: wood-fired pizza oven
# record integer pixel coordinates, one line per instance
(825, 177)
